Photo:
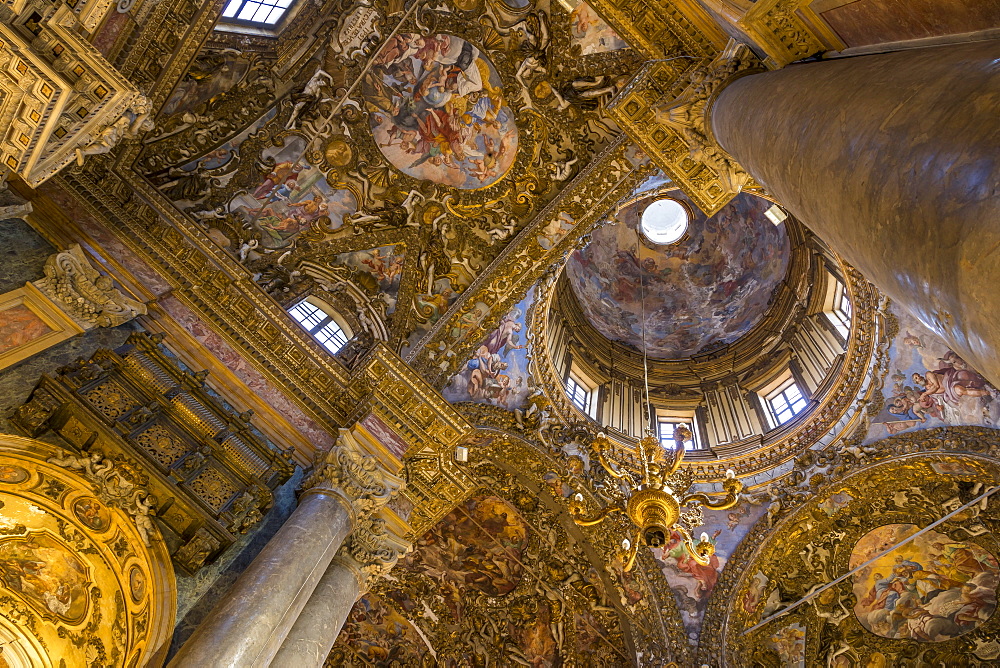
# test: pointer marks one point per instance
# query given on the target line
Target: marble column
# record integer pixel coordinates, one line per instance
(894, 161)
(248, 626)
(370, 552)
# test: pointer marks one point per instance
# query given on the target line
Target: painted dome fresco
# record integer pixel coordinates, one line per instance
(708, 289)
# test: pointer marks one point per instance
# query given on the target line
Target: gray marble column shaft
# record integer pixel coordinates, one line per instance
(312, 636)
(247, 627)
(894, 161)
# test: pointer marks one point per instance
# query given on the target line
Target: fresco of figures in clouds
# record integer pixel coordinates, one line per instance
(438, 111)
(708, 289)
(498, 373)
(931, 589)
(691, 582)
(591, 32)
(929, 385)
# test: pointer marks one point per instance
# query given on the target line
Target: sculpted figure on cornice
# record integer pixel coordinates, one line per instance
(839, 509)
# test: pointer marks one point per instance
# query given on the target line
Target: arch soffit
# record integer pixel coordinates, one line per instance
(94, 587)
(815, 518)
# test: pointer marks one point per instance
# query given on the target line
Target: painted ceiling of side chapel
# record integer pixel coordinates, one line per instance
(384, 169)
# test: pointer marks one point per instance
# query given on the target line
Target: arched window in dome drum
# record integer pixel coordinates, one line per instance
(670, 429)
(784, 402)
(838, 309)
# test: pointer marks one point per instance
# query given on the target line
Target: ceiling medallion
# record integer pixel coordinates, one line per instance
(665, 221)
(441, 115)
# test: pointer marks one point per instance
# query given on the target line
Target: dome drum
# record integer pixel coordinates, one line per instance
(722, 392)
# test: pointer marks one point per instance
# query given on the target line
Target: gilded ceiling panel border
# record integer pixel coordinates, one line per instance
(795, 505)
(609, 178)
(247, 318)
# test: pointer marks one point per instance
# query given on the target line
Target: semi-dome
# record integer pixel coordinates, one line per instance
(703, 291)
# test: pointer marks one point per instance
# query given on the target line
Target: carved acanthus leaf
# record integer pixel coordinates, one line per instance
(374, 550)
(356, 476)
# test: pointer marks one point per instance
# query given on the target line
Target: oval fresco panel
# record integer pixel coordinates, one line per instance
(46, 574)
(90, 511)
(11, 474)
(931, 589)
(438, 111)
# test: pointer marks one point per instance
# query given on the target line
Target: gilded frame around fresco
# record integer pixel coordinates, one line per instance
(61, 325)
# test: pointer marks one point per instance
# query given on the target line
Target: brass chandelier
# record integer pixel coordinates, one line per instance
(654, 489)
(656, 498)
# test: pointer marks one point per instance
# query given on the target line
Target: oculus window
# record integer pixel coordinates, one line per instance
(784, 403)
(320, 324)
(664, 221)
(255, 12)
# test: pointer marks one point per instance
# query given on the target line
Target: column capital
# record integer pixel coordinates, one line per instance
(674, 127)
(359, 479)
(372, 550)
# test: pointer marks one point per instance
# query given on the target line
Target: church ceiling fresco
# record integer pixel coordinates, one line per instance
(499, 372)
(929, 385)
(928, 600)
(590, 31)
(706, 290)
(692, 582)
(503, 579)
(463, 125)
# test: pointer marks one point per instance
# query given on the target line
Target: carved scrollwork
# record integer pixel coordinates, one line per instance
(373, 550)
(357, 477)
(87, 295)
(116, 483)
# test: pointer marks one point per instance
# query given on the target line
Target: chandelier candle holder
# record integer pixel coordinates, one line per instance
(656, 500)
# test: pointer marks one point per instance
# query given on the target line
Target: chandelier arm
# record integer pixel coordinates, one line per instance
(733, 489)
(731, 500)
(620, 475)
(596, 518)
(633, 553)
(689, 547)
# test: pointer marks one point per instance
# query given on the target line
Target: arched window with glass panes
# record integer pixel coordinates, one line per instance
(838, 307)
(319, 319)
(263, 13)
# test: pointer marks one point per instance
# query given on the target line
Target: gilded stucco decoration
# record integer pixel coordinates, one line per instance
(83, 582)
(359, 265)
(929, 599)
(665, 110)
(505, 577)
(88, 296)
(60, 98)
(407, 184)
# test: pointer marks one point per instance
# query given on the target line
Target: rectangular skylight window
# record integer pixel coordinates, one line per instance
(258, 12)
